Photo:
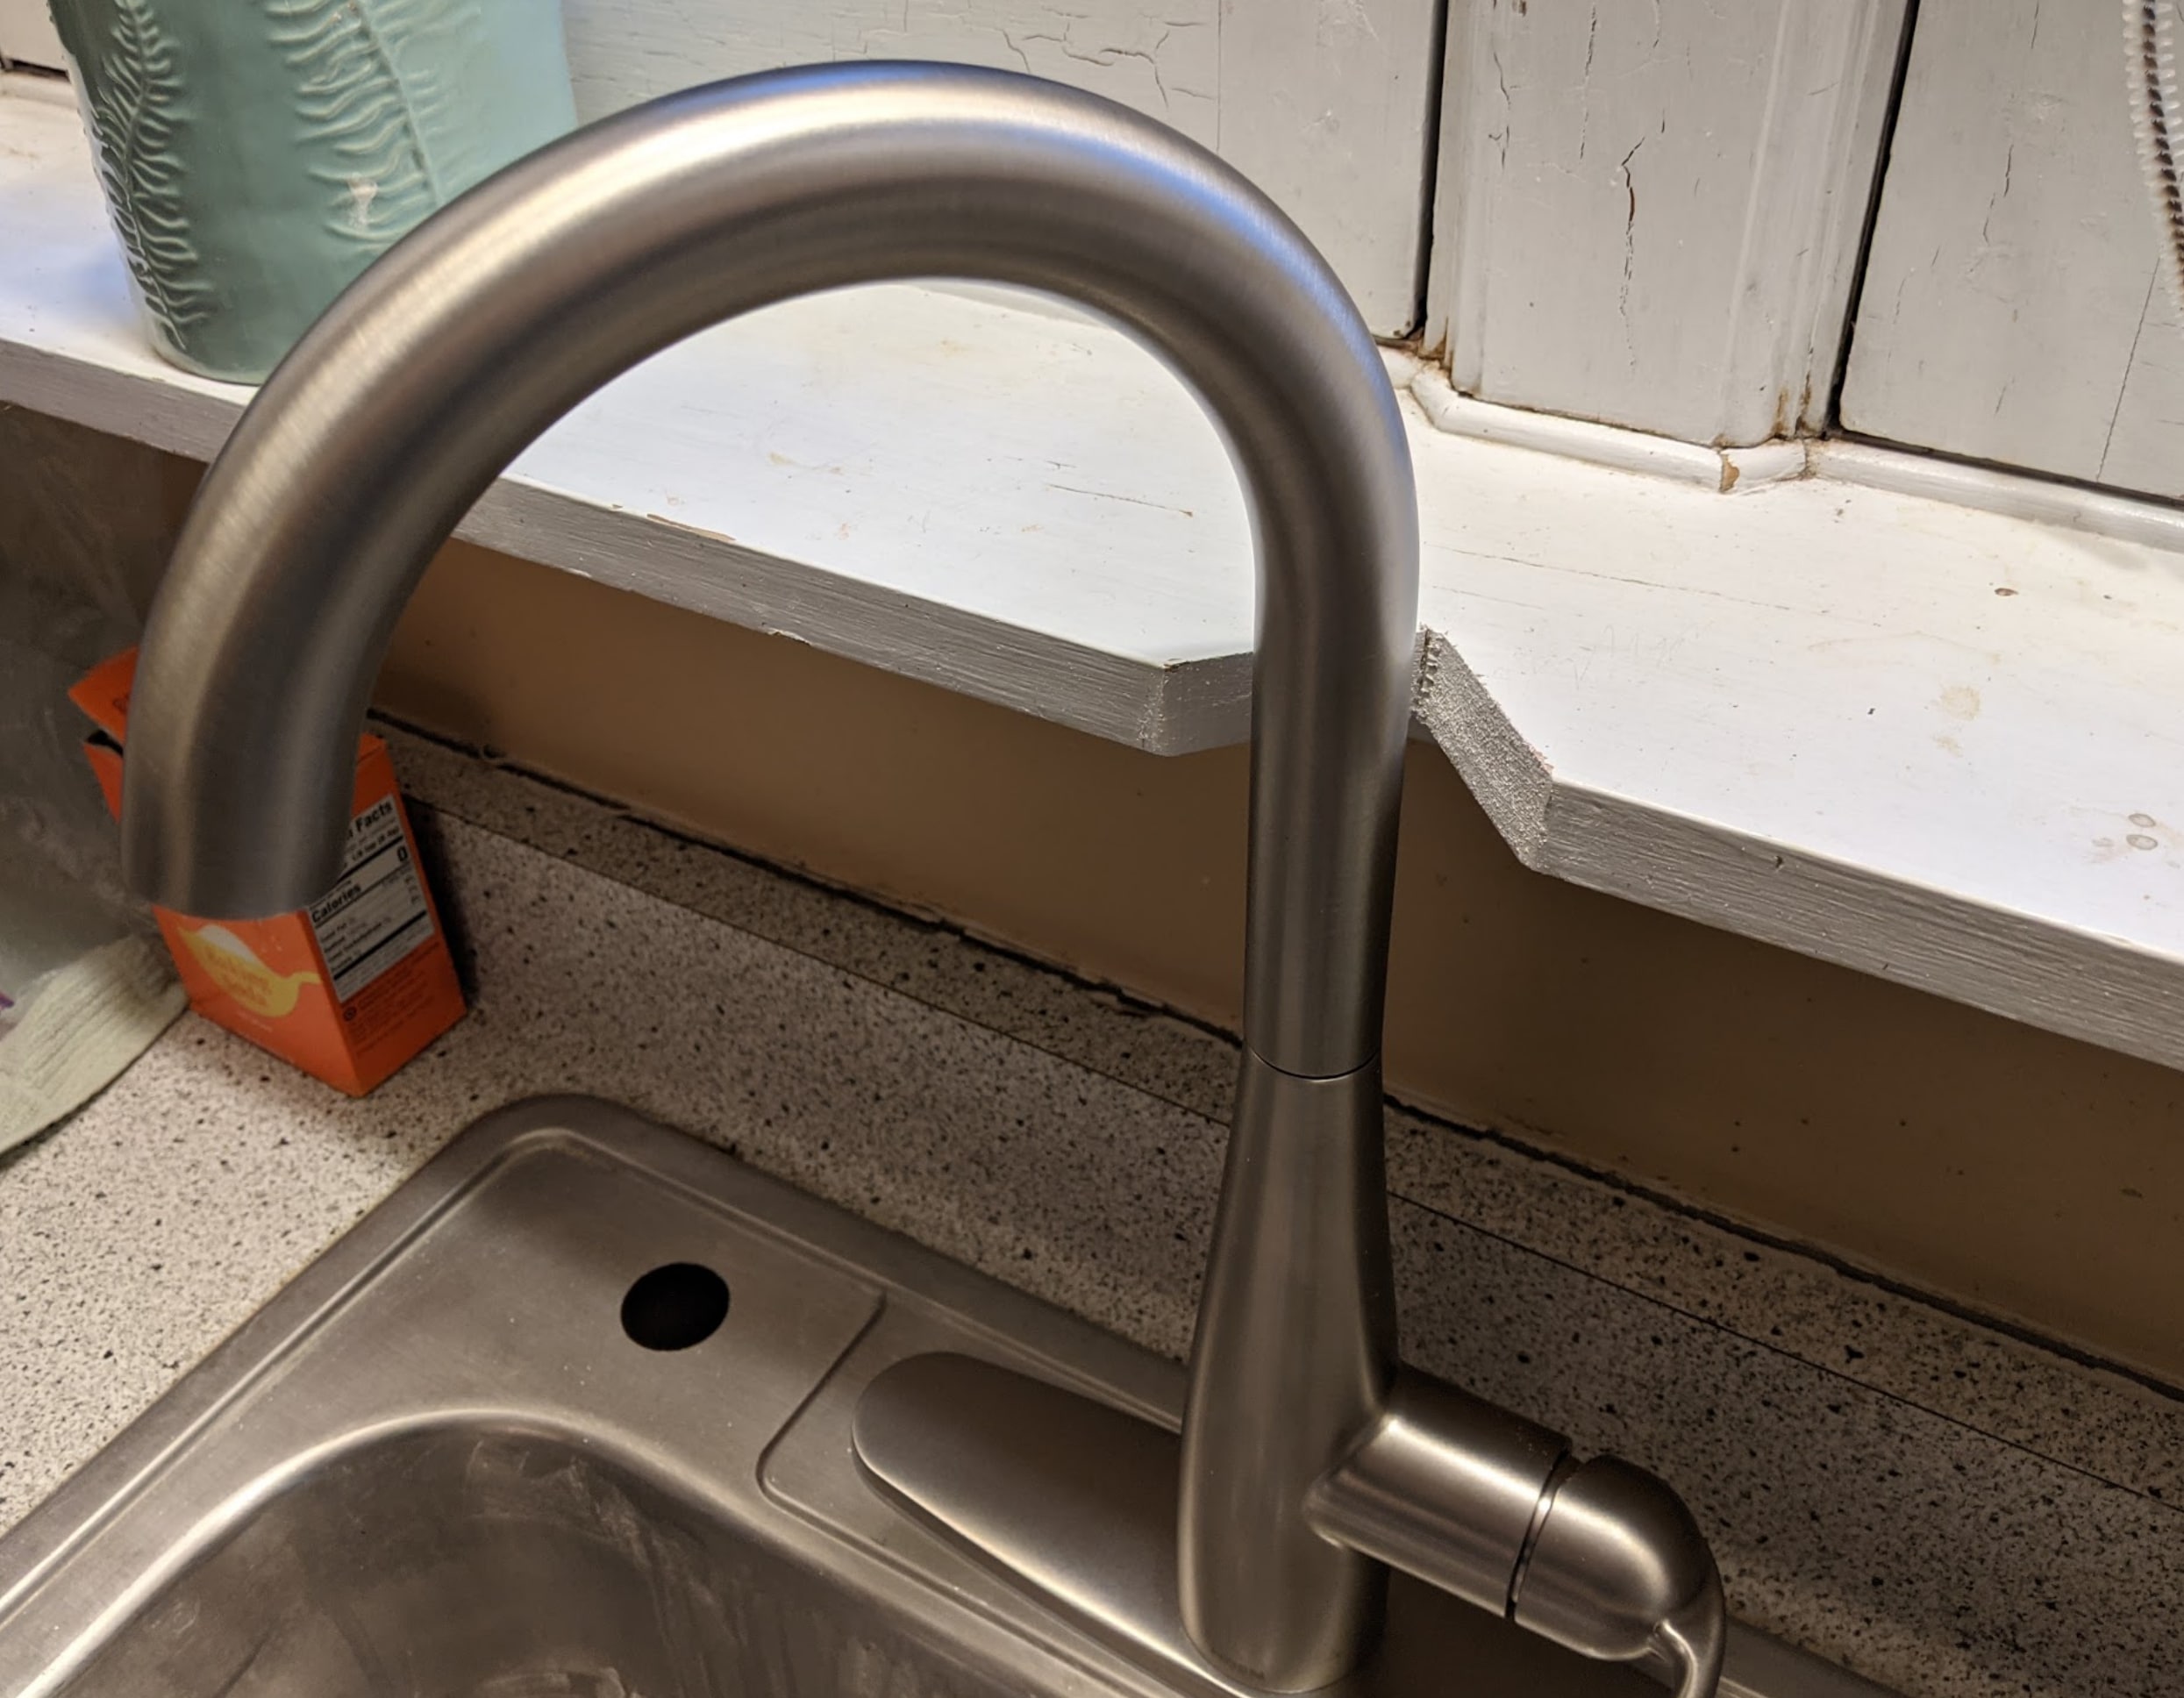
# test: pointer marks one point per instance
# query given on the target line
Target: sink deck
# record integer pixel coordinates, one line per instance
(438, 1464)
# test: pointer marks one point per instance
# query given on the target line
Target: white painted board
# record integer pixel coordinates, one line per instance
(1941, 745)
(27, 37)
(1802, 712)
(1650, 214)
(1324, 104)
(1019, 504)
(2011, 311)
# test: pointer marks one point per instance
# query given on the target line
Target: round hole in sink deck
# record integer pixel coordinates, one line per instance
(675, 1306)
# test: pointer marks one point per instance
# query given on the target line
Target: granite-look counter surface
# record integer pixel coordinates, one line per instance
(1944, 1508)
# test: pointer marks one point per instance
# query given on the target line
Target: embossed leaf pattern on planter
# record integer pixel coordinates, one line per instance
(371, 127)
(138, 121)
(258, 155)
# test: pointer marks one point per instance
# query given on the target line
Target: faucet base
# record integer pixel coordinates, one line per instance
(1050, 1488)
(1076, 1500)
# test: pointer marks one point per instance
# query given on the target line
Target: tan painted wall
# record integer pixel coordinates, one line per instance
(2021, 1173)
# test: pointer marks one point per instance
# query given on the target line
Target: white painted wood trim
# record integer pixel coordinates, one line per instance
(27, 35)
(1475, 117)
(1325, 104)
(1724, 470)
(1814, 175)
(1651, 215)
(1991, 489)
(1892, 731)
(1170, 704)
(2012, 310)
(912, 476)
(2104, 989)
(1940, 744)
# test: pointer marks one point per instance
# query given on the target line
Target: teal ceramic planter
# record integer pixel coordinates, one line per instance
(257, 154)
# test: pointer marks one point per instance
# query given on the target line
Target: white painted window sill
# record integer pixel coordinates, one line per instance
(1934, 742)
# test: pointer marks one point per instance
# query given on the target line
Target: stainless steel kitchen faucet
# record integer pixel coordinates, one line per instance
(1311, 1459)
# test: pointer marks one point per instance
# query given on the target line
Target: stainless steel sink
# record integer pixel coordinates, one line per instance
(439, 1465)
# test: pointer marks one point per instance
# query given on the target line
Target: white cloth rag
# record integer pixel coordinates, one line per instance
(78, 1028)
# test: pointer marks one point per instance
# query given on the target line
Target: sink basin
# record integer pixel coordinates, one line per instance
(482, 1557)
(571, 1414)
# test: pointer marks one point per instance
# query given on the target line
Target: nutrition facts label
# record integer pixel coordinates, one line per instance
(376, 912)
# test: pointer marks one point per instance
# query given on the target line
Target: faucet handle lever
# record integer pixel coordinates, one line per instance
(1600, 1556)
(1619, 1569)
(1443, 1485)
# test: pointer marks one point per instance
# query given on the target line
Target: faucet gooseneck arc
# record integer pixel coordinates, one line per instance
(1308, 1458)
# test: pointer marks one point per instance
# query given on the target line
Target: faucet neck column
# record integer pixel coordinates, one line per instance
(1294, 1350)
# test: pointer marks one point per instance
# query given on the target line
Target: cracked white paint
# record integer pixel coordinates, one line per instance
(1649, 214)
(1629, 253)
(1324, 103)
(2011, 311)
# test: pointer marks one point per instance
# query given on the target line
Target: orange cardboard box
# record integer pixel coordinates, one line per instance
(347, 989)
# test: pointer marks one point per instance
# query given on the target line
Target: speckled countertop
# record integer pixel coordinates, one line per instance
(1950, 1510)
